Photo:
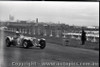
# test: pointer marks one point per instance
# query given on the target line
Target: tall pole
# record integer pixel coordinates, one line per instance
(45, 34)
(51, 31)
(34, 30)
(37, 25)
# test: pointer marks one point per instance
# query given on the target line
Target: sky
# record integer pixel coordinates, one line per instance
(72, 13)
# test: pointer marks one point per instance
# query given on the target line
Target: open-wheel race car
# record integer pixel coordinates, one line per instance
(25, 41)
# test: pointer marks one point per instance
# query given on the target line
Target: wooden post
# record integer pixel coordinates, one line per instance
(51, 34)
(34, 31)
(57, 35)
(45, 33)
(87, 38)
(78, 38)
(72, 37)
(94, 39)
(64, 34)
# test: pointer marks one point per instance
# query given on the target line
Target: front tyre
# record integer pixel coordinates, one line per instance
(25, 44)
(8, 43)
(42, 44)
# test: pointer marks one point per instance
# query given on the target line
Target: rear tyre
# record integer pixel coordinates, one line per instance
(25, 44)
(8, 43)
(42, 44)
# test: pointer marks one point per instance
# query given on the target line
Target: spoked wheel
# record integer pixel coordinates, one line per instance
(25, 44)
(42, 44)
(8, 43)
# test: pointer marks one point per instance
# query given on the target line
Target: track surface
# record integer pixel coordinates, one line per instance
(53, 56)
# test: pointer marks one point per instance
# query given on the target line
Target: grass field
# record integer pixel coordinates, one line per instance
(71, 42)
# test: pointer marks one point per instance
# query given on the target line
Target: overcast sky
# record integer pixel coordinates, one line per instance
(77, 13)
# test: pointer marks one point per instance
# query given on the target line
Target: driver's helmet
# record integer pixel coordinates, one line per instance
(17, 33)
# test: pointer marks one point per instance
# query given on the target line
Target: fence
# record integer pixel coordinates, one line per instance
(43, 31)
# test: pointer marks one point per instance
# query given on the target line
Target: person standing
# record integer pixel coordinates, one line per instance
(83, 37)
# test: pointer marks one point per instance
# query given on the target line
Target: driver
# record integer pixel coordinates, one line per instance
(17, 37)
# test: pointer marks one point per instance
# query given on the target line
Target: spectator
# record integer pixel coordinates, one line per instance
(83, 36)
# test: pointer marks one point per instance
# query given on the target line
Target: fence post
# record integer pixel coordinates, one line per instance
(78, 38)
(34, 31)
(64, 34)
(57, 35)
(87, 38)
(72, 36)
(45, 33)
(94, 39)
(51, 34)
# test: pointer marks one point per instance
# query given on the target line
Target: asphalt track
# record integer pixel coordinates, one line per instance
(52, 56)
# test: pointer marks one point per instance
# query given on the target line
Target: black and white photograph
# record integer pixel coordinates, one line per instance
(49, 34)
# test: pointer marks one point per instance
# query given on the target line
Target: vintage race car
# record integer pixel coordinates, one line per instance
(25, 42)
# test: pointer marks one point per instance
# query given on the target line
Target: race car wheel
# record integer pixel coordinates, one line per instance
(42, 44)
(8, 43)
(25, 44)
